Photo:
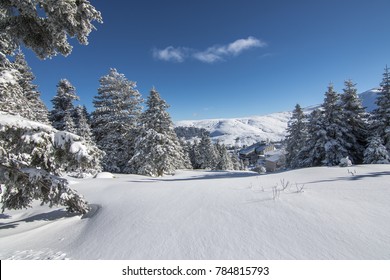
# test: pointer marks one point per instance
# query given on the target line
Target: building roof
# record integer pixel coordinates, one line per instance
(255, 148)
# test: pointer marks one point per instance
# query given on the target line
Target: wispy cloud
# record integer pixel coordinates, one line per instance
(170, 54)
(241, 45)
(210, 55)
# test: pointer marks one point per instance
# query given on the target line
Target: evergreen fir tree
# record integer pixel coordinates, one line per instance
(237, 163)
(223, 158)
(313, 152)
(335, 143)
(193, 154)
(63, 104)
(354, 119)
(114, 121)
(157, 147)
(376, 152)
(381, 115)
(35, 108)
(206, 156)
(82, 127)
(29, 166)
(44, 26)
(186, 152)
(87, 115)
(12, 99)
(69, 124)
(296, 136)
(32, 158)
(327, 142)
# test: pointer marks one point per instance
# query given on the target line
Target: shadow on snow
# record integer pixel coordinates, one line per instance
(354, 177)
(208, 175)
(49, 216)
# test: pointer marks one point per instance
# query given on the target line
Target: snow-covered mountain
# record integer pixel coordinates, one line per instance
(246, 131)
(368, 98)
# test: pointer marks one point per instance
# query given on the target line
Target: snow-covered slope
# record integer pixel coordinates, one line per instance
(244, 131)
(214, 215)
(368, 99)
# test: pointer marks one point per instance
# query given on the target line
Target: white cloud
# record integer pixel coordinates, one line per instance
(218, 53)
(240, 45)
(210, 55)
(170, 54)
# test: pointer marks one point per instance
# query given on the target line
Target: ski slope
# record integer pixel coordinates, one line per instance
(324, 213)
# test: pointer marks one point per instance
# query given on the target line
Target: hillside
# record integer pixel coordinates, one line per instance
(213, 215)
(368, 99)
(246, 131)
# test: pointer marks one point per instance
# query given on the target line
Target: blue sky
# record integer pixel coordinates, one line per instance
(228, 58)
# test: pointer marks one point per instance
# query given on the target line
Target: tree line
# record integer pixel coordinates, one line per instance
(341, 128)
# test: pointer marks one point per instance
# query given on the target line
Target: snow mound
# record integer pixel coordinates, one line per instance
(104, 175)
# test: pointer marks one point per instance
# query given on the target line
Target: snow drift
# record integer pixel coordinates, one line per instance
(322, 213)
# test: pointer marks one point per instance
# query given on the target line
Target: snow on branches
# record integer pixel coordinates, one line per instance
(45, 26)
(34, 155)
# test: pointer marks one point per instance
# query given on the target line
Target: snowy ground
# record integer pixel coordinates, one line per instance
(214, 215)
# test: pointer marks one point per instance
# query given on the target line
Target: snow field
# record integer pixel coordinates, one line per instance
(214, 215)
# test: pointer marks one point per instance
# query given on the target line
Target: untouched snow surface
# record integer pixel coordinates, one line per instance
(104, 175)
(341, 213)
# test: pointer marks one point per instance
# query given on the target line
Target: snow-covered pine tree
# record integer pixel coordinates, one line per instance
(7, 44)
(69, 124)
(114, 121)
(157, 148)
(236, 161)
(87, 115)
(381, 115)
(296, 136)
(63, 104)
(32, 157)
(313, 152)
(354, 118)
(336, 145)
(206, 156)
(193, 153)
(376, 152)
(186, 152)
(12, 99)
(35, 108)
(83, 129)
(28, 169)
(45, 25)
(224, 161)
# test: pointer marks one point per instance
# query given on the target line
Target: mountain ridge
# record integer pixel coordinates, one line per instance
(249, 130)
